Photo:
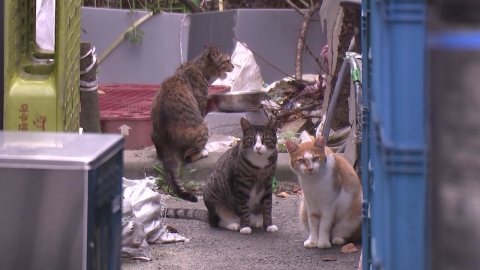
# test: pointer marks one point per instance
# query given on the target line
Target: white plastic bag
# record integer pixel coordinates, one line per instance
(134, 241)
(246, 75)
(45, 24)
(142, 219)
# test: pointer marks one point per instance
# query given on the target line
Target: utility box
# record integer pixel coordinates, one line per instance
(61, 200)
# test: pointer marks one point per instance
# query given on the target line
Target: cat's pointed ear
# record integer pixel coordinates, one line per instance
(214, 53)
(272, 126)
(320, 142)
(246, 126)
(291, 146)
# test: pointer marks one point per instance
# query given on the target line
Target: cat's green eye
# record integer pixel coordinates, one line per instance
(301, 161)
(316, 159)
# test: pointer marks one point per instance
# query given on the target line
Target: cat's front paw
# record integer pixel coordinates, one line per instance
(339, 241)
(204, 153)
(246, 230)
(324, 244)
(233, 226)
(272, 228)
(310, 244)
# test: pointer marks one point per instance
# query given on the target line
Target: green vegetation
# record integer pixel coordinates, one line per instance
(162, 183)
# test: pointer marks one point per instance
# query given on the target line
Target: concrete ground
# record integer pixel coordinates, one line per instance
(213, 248)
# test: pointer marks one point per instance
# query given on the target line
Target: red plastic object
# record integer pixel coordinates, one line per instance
(126, 108)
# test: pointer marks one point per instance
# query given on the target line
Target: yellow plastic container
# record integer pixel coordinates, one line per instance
(42, 89)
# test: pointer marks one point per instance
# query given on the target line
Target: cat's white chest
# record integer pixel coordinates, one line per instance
(318, 188)
(255, 197)
(259, 160)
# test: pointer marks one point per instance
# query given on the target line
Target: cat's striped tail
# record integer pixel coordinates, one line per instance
(181, 213)
(171, 167)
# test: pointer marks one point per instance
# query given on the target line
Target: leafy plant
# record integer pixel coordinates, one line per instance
(162, 184)
(285, 136)
(154, 8)
(135, 35)
(274, 185)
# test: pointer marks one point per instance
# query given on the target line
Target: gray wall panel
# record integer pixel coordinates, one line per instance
(150, 62)
(217, 28)
(271, 33)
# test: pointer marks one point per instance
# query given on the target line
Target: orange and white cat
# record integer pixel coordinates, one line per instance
(331, 208)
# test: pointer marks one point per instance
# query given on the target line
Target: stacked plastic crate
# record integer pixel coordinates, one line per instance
(394, 135)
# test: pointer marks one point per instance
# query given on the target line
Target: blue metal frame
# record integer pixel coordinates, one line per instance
(394, 136)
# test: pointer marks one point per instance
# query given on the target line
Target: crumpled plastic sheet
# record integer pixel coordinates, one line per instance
(284, 83)
(45, 24)
(355, 60)
(246, 75)
(220, 143)
(134, 242)
(143, 209)
(305, 136)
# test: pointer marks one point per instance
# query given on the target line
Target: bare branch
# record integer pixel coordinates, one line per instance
(305, 3)
(298, 110)
(301, 40)
(295, 7)
(317, 60)
(313, 66)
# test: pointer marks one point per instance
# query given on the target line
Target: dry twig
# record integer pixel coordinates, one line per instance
(303, 33)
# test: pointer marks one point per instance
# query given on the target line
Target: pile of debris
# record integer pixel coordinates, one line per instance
(298, 105)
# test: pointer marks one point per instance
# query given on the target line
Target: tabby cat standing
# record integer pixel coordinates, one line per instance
(179, 129)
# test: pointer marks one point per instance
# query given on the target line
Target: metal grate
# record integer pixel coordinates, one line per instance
(152, 5)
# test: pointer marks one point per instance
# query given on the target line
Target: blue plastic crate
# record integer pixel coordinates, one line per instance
(394, 179)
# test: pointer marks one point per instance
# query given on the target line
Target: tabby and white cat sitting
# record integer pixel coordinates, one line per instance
(331, 208)
(238, 192)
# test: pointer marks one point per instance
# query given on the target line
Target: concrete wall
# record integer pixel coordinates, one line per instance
(216, 28)
(271, 33)
(147, 63)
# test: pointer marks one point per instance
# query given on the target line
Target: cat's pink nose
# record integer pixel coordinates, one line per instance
(310, 169)
(258, 148)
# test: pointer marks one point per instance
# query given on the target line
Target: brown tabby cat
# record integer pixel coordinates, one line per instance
(331, 207)
(238, 192)
(179, 129)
